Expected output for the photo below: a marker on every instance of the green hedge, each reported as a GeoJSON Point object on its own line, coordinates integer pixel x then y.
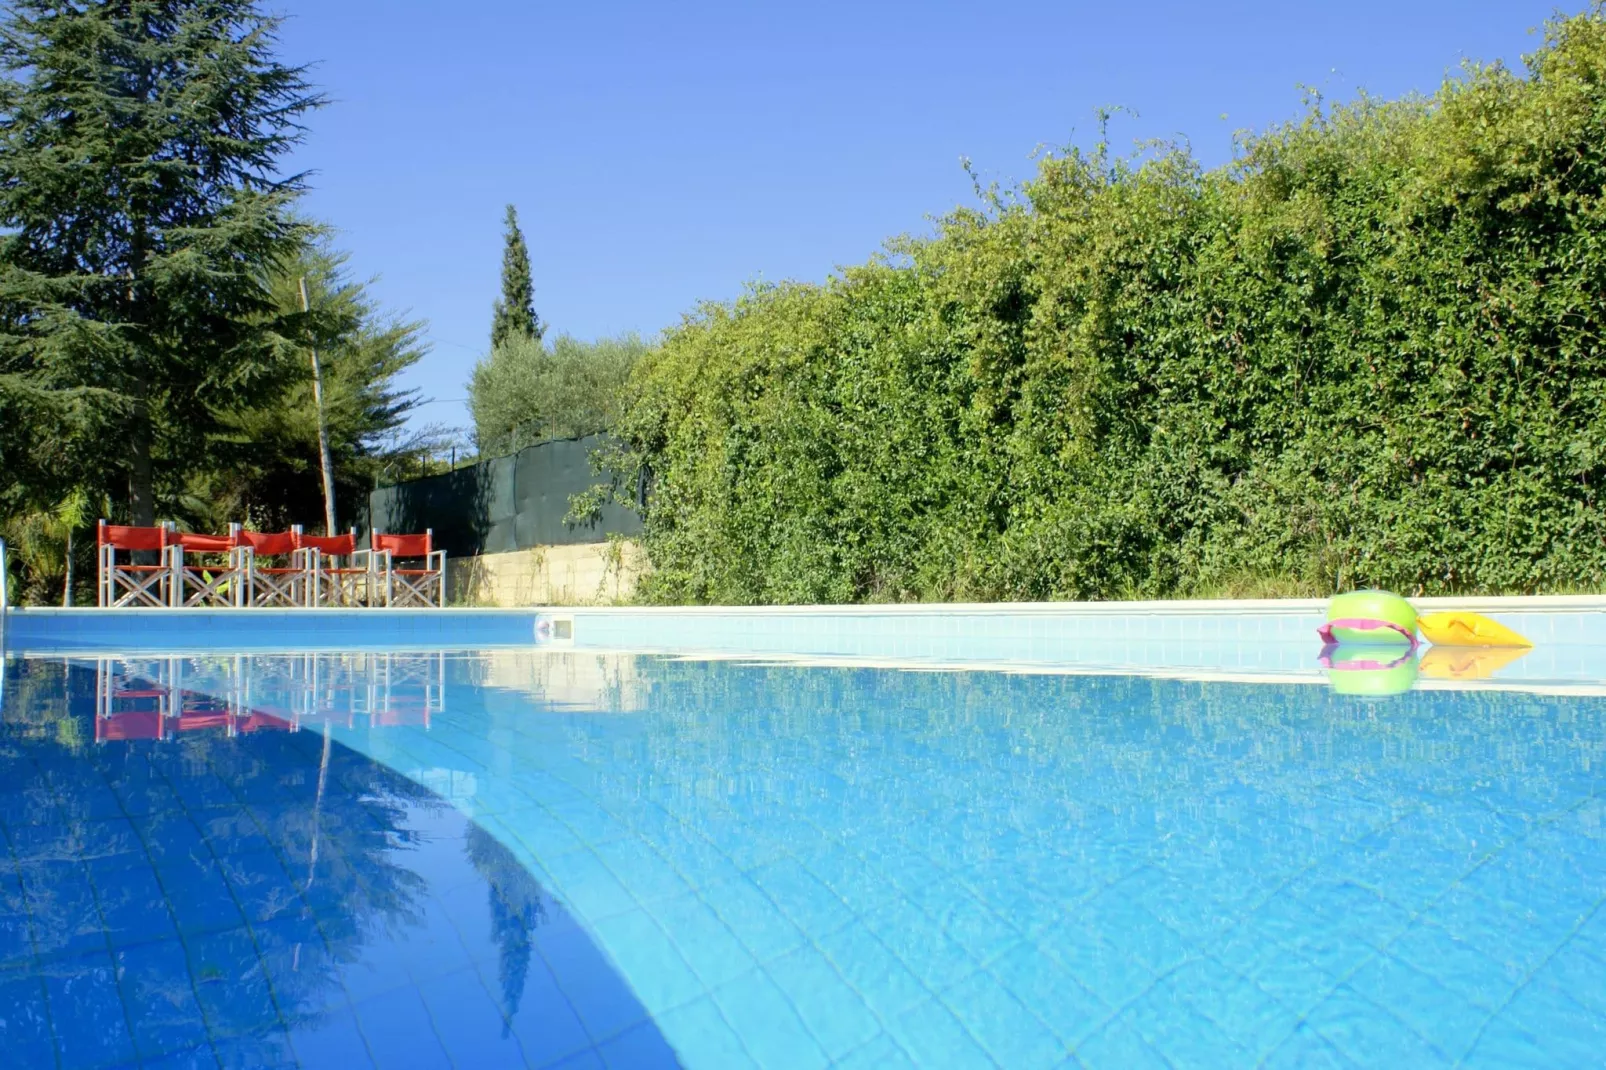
{"type": "Point", "coordinates": [1366, 352]}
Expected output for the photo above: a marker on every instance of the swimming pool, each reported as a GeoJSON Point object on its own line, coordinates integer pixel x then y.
{"type": "Point", "coordinates": [511, 857]}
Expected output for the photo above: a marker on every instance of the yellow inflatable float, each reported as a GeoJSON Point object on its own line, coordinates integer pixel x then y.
{"type": "Point", "coordinates": [1378, 618]}
{"type": "Point", "coordinates": [1370, 639]}
{"type": "Point", "coordinates": [1467, 629]}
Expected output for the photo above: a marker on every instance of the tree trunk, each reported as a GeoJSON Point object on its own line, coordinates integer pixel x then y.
{"type": "Point", "coordinates": [141, 496]}
{"type": "Point", "coordinates": [142, 500]}
{"type": "Point", "coordinates": [66, 587]}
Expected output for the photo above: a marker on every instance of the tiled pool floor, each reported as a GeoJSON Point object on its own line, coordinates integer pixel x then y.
{"type": "Point", "coordinates": [254, 901]}
{"type": "Point", "coordinates": [516, 858]}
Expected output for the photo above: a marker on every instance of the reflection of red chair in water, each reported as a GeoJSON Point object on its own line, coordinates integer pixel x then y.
{"type": "Point", "coordinates": [134, 707]}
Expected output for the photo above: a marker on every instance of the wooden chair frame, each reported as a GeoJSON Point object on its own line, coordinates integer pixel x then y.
{"type": "Point", "coordinates": [207, 584]}
{"type": "Point", "coordinates": [423, 588]}
{"type": "Point", "coordinates": [120, 585]}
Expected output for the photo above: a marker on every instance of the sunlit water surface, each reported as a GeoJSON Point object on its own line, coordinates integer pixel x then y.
{"type": "Point", "coordinates": [526, 858]}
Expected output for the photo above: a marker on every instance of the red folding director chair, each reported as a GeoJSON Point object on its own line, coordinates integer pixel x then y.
{"type": "Point", "coordinates": [267, 584]}
{"type": "Point", "coordinates": [206, 569]}
{"type": "Point", "coordinates": [415, 586]}
{"type": "Point", "coordinates": [336, 584]}
{"type": "Point", "coordinates": [124, 583]}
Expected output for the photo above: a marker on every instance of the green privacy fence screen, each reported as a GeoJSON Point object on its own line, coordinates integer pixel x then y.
{"type": "Point", "coordinates": [505, 503]}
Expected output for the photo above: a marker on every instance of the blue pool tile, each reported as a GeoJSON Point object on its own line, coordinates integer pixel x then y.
{"type": "Point", "coordinates": [932, 1036]}
{"type": "Point", "coordinates": [200, 1057]}
{"type": "Point", "coordinates": [1008, 1032]}
{"type": "Point", "coordinates": [547, 1026]}
{"type": "Point", "coordinates": [543, 834]}
{"type": "Point", "coordinates": [133, 906]}
{"type": "Point", "coordinates": [808, 903]}
{"type": "Point", "coordinates": [920, 945]}
{"type": "Point", "coordinates": [976, 928]}
{"type": "Point", "coordinates": [23, 806]}
{"type": "Point", "coordinates": [259, 884]}
{"type": "Point", "coordinates": [885, 984]}
{"type": "Point", "coordinates": [230, 983]}
{"type": "Point", "coordinates": [1442, 1017]}
{"type": "Point", "coordinates": [1573, 1034]}
{"type": "Point", "coordinates": [592, 990]}
{"type": "Point", "coordinates": [297, 964]}
{"type": "Point", "coordinates": [642, 1048]}
{"type": "Point", "coordinates": [1306, 1047]}
{"type": "Point", "coordinates": [1275, 869]}
{"type": "Point", "coordinates": [86, 1012]}
{"type": "Point", "coordinates": [155, 985]}
{"type": "Point", "coordinates": [469, 1023]}
{"type": "Point", "coordinates": [16, 926]}
{"type": "Point", "coordinates": [23, 1020]}
{"type": "Point", "coordinates": [61, 902]}
{"type": "Point", "coordinates": [588, 886]}
{"type": "Point", "coordinates": [231, 831]}
{"type": "Point", "coordinates": [774, 1034]}
{"type": "Point", "coordinates": [1173, 1026]}
{"type": "Point", "coordinates": [435, 948]}
{"type": "Point", "coordinates": [1367, 1032]}
{"type": "Point", "coordinates": [381, 969]}
{"type": "Point", "coordinates": [707, 944]}
{"type": "Point", "coordinates": [399, 1030]}
{"type": "Point", "coordinates": [860, 885]}
{"type": "Point", "coordinates": [1456, 965]}
{"type": "Point", "coordinates": [585, 1060]}
{"type": "Point", "coordinates": [170, 835]}
{"type": "Point", "coordinates": [267, 1048]}
{"type": "Point", "coordinates": [1119, 1046]}
{"type": "Point", "coordinates": [834, 1013]}
{"type": "Point", "coordinates": [641, 949]}
{"type": "Point", "coordinates": [199, 896]}
{"type": "Point", "coordinates": [1050, 994]}
{"type": "Point", "coordinates": [642, 870]}
{"type": "Point", "coordinates": [700, 1035]}
{"type": "Point", "coordinates": [881, 1053]}
{"type": "Point", "coordinates": [754, 919]}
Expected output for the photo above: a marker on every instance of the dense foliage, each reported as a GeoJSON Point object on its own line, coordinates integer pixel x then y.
{"type": "Point", "coordinates": [1368, 351]}
{"type": "Point", "coordinates": [154, 356]}
{"type": "Point", "coordinates": [525, 392]}
{"type": "Point", "coordinates": [141, 203]}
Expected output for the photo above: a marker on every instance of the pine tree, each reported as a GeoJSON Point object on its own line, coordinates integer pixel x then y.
{"type": "Point", "coordinates": [514, 314]}
{"type": "Point", "coordinates": [141, 212]}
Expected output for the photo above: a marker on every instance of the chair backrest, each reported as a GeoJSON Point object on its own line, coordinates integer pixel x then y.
{"type": "Point", "coordinates": [123, 537]}
{"type": "Point", "coordinates": [268, 543]}
{"type": "Point", "coordinates": [196, 543]}
{"type": "Point", "coordinates": [404, 545]}
{"type": "Point", "coordinates": [338, 545]}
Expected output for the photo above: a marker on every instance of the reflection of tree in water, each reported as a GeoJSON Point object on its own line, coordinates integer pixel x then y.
{"type": "Point", "coordinates": [150, 836]}
{"type": "Point", "coordinates": [516, 910]}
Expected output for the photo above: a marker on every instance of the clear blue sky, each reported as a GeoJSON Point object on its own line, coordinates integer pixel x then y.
{"type": "Point", "coordinates": [663, 153]}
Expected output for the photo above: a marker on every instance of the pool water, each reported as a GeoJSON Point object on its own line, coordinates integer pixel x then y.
{"type": "Point", "coordinates": [528, 858]}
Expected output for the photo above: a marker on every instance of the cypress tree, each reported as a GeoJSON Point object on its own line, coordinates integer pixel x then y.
{"type": "Point", "coordinates": [514, 314]}
{"type": "Point", "coordinates": [141, 211]}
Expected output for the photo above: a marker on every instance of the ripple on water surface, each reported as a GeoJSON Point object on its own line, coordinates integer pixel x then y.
{"type": "Point", "coordinates": [541, 858]}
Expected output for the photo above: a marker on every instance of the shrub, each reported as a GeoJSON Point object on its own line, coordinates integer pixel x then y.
{"type": "Point", "coordinates": [1368, 351]}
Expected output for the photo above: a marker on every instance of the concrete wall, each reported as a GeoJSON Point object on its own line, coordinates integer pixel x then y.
{"type": "Point", "coordinates": [584, 574]}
